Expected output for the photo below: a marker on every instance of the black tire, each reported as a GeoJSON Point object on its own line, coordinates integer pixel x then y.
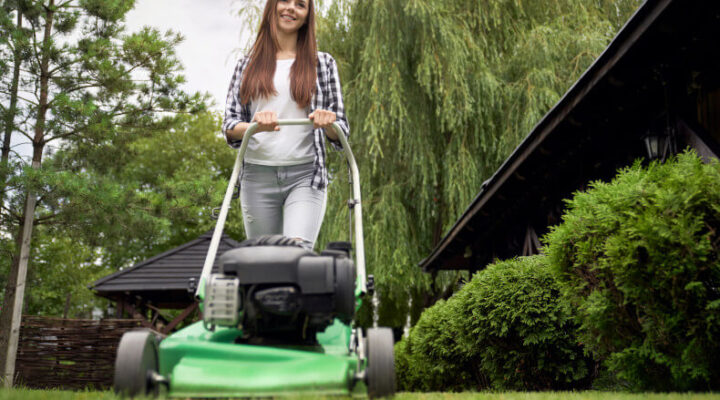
{"type": "Point", "coordinates": [345, 289]}
{"type": "Point", "coordinates": [137, 359]}
{"type": "Point", "coordinates": [380, 362]}
{"type": "Point", "coordinates": [270, 240]}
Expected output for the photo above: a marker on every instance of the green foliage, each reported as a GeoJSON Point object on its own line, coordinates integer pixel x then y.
{"type": "Point", "coordinates": [639, 260]}
{"type": "Point", "coordinates": [524, 334]}
{"type": "Point", "coordinates": [505, 329]}
{"type": "Point", "coordinates": [438, 93]}
{"type": "Point", "coordinates": [92, 98]}
{"type": "Point", "coordinates": [107, 207]}
{"type": "Point", "coordinates": [156, 194]}
{"type": "Point", "coordinates": [435, 356]}
{"type": "Point", "coordinates": [61, 270]}
{"type": "Point", "coordinates": [108, 10]}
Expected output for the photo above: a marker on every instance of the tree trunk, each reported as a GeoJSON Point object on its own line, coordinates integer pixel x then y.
{"type": "Point", "coordinates": [13, 302]}
{"type": "Point", "coordinates": [66, 309]}
{"type": "Point", "coordinates": [440, 210]}
{"type": "Point", "coordinates": [10, 324]}
{"type": "Point", "coordinates": [12, 107]}
{"type": "Point", "coordinates": [433, 295]}
{"type": "Point", "coordinates": [6, 315]}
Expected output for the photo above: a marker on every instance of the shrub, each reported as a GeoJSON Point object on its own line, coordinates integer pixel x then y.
{"type": "Point", "coordinates": [505, 329]}
{"type": "Point", "coordinates": [638, 258]}
{"type": "Point", "coordinates": [522, 335]}
{"type": "Point", "coordinates": [432, 358]}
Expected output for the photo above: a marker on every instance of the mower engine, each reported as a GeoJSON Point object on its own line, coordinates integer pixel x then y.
{"type": "Point", "coordinates": [281, 292]}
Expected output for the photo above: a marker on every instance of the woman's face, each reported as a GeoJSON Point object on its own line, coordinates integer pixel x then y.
{"type": "Point", "coordinates": [291, 15]}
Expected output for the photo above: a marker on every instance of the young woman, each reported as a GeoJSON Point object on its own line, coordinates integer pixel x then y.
{"type": "Point", "coordinates": [284, 179]}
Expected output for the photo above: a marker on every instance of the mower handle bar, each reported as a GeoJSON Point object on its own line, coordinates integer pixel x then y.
{"type": "Point", "coordinates": [217, 234]}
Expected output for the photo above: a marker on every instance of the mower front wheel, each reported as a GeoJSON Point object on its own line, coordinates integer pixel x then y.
{"type": "Point", "coordinates": [380, 362]}
{"type": "Point", "coordinates": [137, 360]}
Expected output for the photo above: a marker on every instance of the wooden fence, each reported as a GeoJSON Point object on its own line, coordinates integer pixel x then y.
{"type": "Point", "coordinates": [69, 353]}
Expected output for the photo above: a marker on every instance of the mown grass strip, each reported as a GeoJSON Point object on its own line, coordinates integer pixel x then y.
{"type": "Point", "coordinates": [28, 394]}
{"type": "Point", "coordinates": [585, 395]}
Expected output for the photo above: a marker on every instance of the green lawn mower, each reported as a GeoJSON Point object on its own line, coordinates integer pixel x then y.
{"type": "Point", "coordinates": [277, 320]}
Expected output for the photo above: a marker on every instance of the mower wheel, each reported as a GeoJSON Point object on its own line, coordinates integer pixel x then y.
{"type": "Point", "coordinates": [345, 290]}
{"type": "Point", "coordinates": [380, 362]}
{"type": "Point", "coordinates": [137, 360]}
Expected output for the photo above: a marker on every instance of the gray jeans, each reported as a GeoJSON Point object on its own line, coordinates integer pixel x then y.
{"type": "Point", "coordinates": [281, 200]}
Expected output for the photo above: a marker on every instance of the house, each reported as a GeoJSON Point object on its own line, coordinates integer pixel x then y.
{"type": "Point", "coordinates": [653, 92]}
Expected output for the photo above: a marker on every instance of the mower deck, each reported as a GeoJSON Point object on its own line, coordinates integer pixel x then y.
{"type": "Point", "coordinates": [201, 363]}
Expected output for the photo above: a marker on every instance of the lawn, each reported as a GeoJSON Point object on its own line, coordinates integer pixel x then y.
{"type": "Point", "coordinates": [26, 394]}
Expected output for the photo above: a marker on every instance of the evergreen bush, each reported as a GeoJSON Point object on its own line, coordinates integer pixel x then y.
{"type": "Point", "coordinates": [432, 358]}
{"type": "Point", "coordinates": [638, 258]}
{"type": "Point", "coordinates": [522, 335]}
{"type": "Point", "coordinates": [505, 329]}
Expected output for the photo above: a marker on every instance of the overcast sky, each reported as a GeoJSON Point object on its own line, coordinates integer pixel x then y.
{"type": "Point", "coordinates": [212, 39]}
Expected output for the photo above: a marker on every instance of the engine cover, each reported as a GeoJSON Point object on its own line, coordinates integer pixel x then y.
{"type": "Point", "coordinates": [289, 292]}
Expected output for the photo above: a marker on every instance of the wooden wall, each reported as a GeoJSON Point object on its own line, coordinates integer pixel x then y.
{"type": "Point", "coordinates": [69, 353]}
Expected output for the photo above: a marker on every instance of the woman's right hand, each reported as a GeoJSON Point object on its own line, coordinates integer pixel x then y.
{"type": "Point", "coordinates": [267, 121]}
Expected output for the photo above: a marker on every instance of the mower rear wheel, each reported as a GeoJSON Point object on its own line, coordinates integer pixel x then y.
{"type": "Point", "coordinates": [380, 362]}
{"type": "Point", "coordinates": [137, 360]}
{"type": "Point", "coordinates": [345, 290]}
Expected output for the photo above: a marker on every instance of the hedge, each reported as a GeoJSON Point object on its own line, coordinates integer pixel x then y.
{"type": "Point", "coordinates": [432, 358]}
{"type": "Point", "coordinates": [638, 260]}
{"type": "Point", "coordinates": [505, 329]}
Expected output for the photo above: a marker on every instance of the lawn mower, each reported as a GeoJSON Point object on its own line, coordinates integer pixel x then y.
{"type": "Point", "coordinates": [277, 319]}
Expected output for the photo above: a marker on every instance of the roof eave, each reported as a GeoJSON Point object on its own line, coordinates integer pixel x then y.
{"type": "Point", "coordinates": [633, 29]}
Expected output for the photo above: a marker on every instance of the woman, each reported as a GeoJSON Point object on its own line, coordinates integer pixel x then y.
{"type": "Point", "coordinates": [284, 179]}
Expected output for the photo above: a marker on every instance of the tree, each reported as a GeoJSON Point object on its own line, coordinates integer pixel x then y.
{"type": "Point", "coordinates": [112, 212]}
{"type": "Point", "coordinates": [439, 92]}
{"type": "Point", "coordinates": [168, 181]}
{"type": "Point", "coordinates": [14, 46]}
{"type": "Point", "coordinates": [83, 82]}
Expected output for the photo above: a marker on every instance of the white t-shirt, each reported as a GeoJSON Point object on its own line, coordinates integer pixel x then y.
{"type": "Point", "coordinates": [291, 145]}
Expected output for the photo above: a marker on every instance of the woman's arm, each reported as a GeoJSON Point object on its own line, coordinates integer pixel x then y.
{"type": "Point", "coordinates": [333, 101]}
{"type": "Point", "coordinates": [237, 132]}
{"type": "Point", "coordinates": [237, 115]}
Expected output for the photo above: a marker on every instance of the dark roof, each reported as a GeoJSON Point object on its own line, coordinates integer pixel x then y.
{"type": "Point", "coordinates": [664, 52]}
{"type": "Point", "coordinates": [163, 278]}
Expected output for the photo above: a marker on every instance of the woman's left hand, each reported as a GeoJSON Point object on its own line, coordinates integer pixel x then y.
{"type": "Point", "coordinates": [324, 119]}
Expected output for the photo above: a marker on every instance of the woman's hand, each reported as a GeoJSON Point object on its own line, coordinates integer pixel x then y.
{"type": "Point", "coordinates": [267, 121]}
{"type": "Point", "coordinates": [324, 119]}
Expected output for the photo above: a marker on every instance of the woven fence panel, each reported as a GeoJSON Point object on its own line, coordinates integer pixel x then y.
{"type": "Point", "coordinates": [69, 353]}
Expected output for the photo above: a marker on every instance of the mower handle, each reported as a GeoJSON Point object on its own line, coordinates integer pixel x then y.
{"type": "Point", "coordinates": [359, 243]}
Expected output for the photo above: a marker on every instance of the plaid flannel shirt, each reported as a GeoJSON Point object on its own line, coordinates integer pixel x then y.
{"type": "Point", "coordinates": [328, 96]}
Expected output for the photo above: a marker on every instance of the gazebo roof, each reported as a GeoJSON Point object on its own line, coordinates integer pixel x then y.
{"type": "Point", "coordinates": [163, 279]}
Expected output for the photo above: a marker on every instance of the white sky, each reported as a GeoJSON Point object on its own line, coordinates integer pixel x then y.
{"type": "Point", "coordinates": [212, 34]}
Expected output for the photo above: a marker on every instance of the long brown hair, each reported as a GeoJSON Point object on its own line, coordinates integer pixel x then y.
{"type": "Point", "coordinates": [258, 76]}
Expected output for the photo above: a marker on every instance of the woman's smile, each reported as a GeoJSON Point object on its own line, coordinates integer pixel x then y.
{"type": "Point", "coordinates": [291, 14]}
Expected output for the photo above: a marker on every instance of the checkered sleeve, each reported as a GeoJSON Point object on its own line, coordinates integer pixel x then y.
{"type": "Point", "coordinates": [235, 112]}
{"type": "Point", "coordinates": [334, 100]}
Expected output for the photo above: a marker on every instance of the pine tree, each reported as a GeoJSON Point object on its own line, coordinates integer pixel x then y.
{"type": "Point", "coordinates": [155, 193]}
{"type": "Point", "coordinates": [13, 48]}
{"type": "Point", "coordinates": [85, 80]}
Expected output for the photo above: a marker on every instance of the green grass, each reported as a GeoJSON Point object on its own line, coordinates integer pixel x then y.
{"type": "Point", "coordinates": [27, 394]}
{"type": "Point", "coordinates": [587, 395]}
